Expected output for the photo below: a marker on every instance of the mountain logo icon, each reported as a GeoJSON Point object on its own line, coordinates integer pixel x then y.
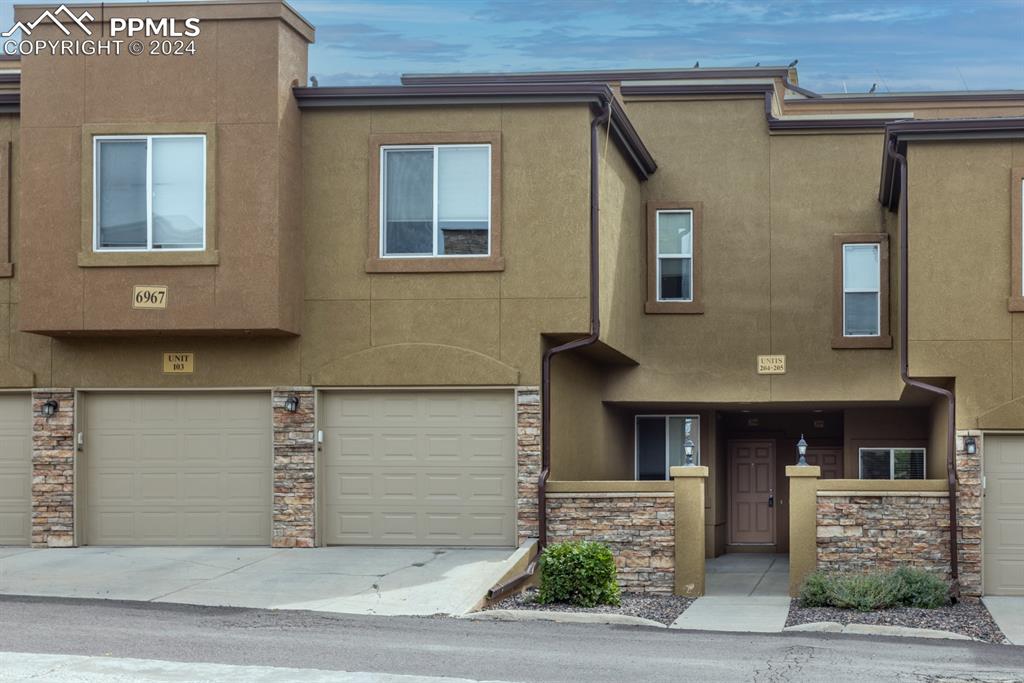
{"type": "Point", "coordinates": [69, 16]}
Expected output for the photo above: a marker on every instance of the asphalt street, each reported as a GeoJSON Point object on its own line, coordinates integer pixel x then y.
{"type": "Point", "coordinates": [479, 651]}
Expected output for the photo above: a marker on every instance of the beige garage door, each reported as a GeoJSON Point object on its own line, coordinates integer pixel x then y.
{"type": "Point", "coordinates": [177, 468]}
{"type": "Point", "coordinates": [15, 469]}
{"type": "Point", "coordinates": [419, 467]}
{"type": "Point", "coordinates": [1004, 515]}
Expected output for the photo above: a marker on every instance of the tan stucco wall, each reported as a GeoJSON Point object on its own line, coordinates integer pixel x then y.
{"type": "Point", "coordinates": [239, 91]}
{"type": "Point", "coordinates": [391, 329]}
{"type": "Point", "coordinates": [960, 326]}
{"type": "Point", "coordinates": [623, 241]}
{"type": "Point", "coordinates": [771, 207]}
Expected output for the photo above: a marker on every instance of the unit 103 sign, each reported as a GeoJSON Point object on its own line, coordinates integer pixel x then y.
{"type": "Point", "coordinates": [149, 296]}
{"type": "Point", "coordinates": [771, 365]}
{"type": "Point", "coordinates": [179, 363]}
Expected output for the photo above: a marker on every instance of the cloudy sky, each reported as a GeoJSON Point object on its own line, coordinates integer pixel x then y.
{"type": "Point", "coordinates": [899, 44]}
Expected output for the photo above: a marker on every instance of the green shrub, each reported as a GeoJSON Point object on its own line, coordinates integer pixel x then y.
{"type": "Point", "coordinates": [578, 572]}
{"type": "Point", "coordinates": [904, 587]}
{"type": "Point", "coordinates": [918, 588]}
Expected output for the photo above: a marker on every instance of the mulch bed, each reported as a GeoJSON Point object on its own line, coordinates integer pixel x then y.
{"type": "Point", "coordinates": [968, 617]}
{"type": "Point", "coordinates": [657, 607]}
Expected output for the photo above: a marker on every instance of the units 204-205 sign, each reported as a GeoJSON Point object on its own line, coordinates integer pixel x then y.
{"type": "Point", "coordinates": [771, 365]}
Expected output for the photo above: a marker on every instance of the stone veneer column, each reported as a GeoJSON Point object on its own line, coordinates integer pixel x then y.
{"type": "Point", "coordinates": [528, 418]}
{"type": "Point", "coordinates": [294, 469]}
{"type": "Point", "coordinates": [53, 470]}
{"type": "Point", "coordinates": [689, 484]}
{"type": "Point", "coordinates": [803, 523]}
{"type": "Point", "coordinates": [970, 508]}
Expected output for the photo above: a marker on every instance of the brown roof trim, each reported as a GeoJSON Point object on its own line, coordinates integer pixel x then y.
{"type": "Point", "coordinates": [894, 98]}
{"type": "Point", "coordinates": [598, 94]}
{"type": "Point", "coordinates": [592, 76]}
{"type": "Point", "coordinates": [899, 133]}
{"type": "Point", "coordinates": [710, 89]}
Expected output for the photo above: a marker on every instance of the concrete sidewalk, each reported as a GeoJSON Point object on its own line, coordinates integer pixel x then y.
{"type": "Point", "coordinates": [352, 580]}
{"type": "Point", "coordinates": [1008, 613]}
{"type": "Point", "coordinates": [743, 592]}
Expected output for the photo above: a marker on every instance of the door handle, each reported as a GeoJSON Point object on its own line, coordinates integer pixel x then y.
{"type": "Point", "coordinates": [771, 501]}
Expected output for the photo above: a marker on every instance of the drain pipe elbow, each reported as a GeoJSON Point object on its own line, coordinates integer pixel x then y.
{"type": "Point", "coordinates": [900, 160]}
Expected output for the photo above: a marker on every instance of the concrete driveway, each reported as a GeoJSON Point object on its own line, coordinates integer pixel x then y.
{"type": "Point", "coordinates": [353, 580]}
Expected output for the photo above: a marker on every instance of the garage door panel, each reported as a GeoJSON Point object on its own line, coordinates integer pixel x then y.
{"type": "Point", "coordinates": [419, 467]}
{"type": "Point", "coordinates": [178, 469]}
{"type": "Point", "coordinates": [1003, 560]}
{"type": "Point", "coordinates": [15, 469]}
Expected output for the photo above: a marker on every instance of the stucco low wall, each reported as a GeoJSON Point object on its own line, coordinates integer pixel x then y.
{"type": "Point", "coordinates": [638, 526]}
{"type": "Point", "coordinates": [883, 530]}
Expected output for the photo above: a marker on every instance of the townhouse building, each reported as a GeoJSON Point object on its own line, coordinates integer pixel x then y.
{"type": "Point", "coordinates": [476, 309]}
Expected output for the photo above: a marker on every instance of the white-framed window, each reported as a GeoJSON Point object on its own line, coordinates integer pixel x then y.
{"type": "Point", "coordinates": [891, 463]}
{"type": "Point", "coordinates": [675, 255]}
{"type": "Point", "coordinates": [862, 290]}
{"type": "Point", "coordinates": [661, 443]}
{"type": "Point", "coordinates": [435, 200]}
{"type": "Point", "coordinates": [149, 192]}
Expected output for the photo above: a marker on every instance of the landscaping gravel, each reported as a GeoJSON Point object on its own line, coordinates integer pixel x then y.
{"type": "Point", "coordinates": [656, 607]}
{"type": "Point", "coordinates": [968, 617]}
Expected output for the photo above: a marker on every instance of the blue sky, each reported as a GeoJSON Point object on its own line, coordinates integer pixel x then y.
{"type": "Point", "coordinates": [899, 44]}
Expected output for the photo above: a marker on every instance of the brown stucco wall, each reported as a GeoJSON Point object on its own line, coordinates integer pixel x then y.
{"type": "Point", "coordinates": [239, 92]}
{"type": "Point", "coordinates": [889, 427]}
{"type": "Point", "coordinates": [771, 205]}
{"type": "Point", "coordinates": [361, 328]}
{"type": "Point", "coordinates": [960, 325]}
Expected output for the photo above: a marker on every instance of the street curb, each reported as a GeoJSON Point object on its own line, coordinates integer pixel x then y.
{"type": "Point", "coordinates": [560, 617]}
{"type": "Point", "coordinates": [875, 630]}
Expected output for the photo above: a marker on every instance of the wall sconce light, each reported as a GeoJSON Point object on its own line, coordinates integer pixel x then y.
{"type": "Point", "coordinates": [688, 449]}
{"type": "Point", "coordinates": [801, 448]}
{"type": "Point", "coordinates": [49, 408]}
{"type": "Point", "coordinates": [970, 445]}
{"type": "Point", "coordinates": [291, 404]}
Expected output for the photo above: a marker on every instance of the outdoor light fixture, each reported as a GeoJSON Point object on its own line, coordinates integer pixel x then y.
{"type": "Point", "coordinates": [801, 448]}
{"type": "Point", "coordinates": [688, 449]}
{"type": "Point", "coordinates": [970, 445]}
{"type": "Point", "coordinates": [49, 408]}
{"type": "Point", "coordinates": [291, 404]}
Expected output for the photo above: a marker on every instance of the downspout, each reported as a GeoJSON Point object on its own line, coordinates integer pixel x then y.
{"type": "Point", "coordinates": [604, 118]}
{"type": "Point", "coordinates": [954, 559]}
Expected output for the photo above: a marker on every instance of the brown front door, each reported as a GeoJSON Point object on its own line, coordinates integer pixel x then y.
{"type": "Point", "coordinates": [830, 460]}
{"type": "Point", "coordinates": [752, 492]}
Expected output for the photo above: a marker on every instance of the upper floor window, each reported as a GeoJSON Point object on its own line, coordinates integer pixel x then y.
{"type": "Point", "coordinates": [861, 288]}
{"type": "Point", "coordinates": [892, 463]}
{"type": "Point", "coordinates": [861, 317]}
{"type": "Point", "coordinates": [673, 258]}
{"type": "Point", "coordinates": [149, 193]}
{"type": "Point", "coordinates": [438, 201]}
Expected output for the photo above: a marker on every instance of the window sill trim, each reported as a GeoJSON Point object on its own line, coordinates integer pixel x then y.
{"type": "Point", "coordinates": [435, 265]}
{"type": "Point", "coordinates": [125, 259]}
{"type": "Point", "coordinates": [6, 270]}
{"type": "Point", "coordinates": [881, 342]}
{"type": "Point", "coordinates": [674, 307]}
{"type": "Point", "coordinates": [1015, 304]}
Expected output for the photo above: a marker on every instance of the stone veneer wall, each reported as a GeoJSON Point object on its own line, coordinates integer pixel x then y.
{"type": "Point", "coordinates": [861, 532]}
{"type": "Point", "coordinates": [53, 470]}
{"type": "Point", "coordinates": [970, 509]}
{"type": "Point", "coordinates": [638, 527]}
{"type": "Point", "coordinates": [528, 418]}
{"type": "Point", "coordinates": [294, 469]}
